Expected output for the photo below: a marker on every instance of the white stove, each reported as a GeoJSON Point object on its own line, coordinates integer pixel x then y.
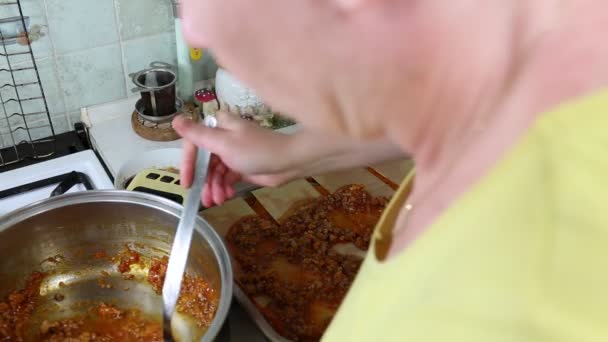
{"type": "Point", "coordinates": [76, 172]}
{"type": "Point", "coordinates": [112, 135]}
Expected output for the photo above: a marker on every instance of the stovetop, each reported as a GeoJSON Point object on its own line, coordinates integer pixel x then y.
{"type": "Point", "coordinates": [69, 171]}
{"type": "Point", "coordinates": [76, 168]}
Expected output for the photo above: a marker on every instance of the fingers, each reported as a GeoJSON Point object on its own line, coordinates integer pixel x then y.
{"type": "Point", "coordinates": [187, 164]}
{"type": "Point", "coordinates": [212, 139]}
{"type": "Point", "coordinates": [230, 121]}
{"type": "Point", "coordinates": [217, 184]}
{"type": "Point", "coordinates": [220, 184]}
{"type": "Point", "coordinates": [230, 179]}
{"type": "Point", "coordinates": [224, 140]}
{"type": "Point", "coordinates": [229, 191]}
{"type": "Point", "coordinates": [206, 196]}
{"type": "Point", "coordinates": [271, 180]}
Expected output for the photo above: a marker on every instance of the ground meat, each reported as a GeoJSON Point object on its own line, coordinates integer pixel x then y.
{"type": "Point", "coordinates": [197, 298]}
{"type": "Point", "coordinates": [156, 275]}
{"type": "Point", "coordinates": [128, 276]}
{"type": "Point", "coordinates": [304, 238]}
{"type": "Point", "coordinates": [109, 311]}
{"type": "Point", "coordinates": [103, 283]}
{"type": "Point", "coordinates": [104, 323]}
{"type": "Point", "coordinates": [100, 255]}
{"type": "Point", "coordinates": [17, 307]}
{"type": "Point", "coordinates": [127, 258]}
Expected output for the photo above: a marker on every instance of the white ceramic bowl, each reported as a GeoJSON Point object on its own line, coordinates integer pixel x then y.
{"type": "Point", "coordinates": [233, 92]}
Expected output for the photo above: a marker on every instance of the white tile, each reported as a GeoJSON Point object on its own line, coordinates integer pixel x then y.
{"type": "Point", "coordinates": [139, 53]}
{"type": "Point", "coordinates": [21, 135]}
{"type": "Point", "coordinates": [29, 88]}
{"type": "Point", "coordinates": [4, 129]}
{"type": "Point", "coordinates": [50, 86]}
{"type": "Point", "coordinates": [42, 131]}
{"type": "Point", "coordinates": [31, 8]}
{"type": "Point", "coordinates": [60, 124]}
{"type": "Point", "coordinates": [73, 117]}
{"type": "Point", "coordinates": [108, 111]}
{"type": "Point", "coordinates": [41, 44]}
{"type": "Point", "coordinates": [7, 139]}
{"type": "Point", "coordinates": [91, 77]}
{"type": "Point", "coordinates": [76, 25]}
{"type": "Point", "coordinates": [3, 123]}
{"type": "Point", "coordinates": [138, 18]}
{"type": "Point", "coordinates": [33, 130]}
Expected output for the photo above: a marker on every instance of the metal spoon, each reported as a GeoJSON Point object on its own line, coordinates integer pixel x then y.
{"type": "Point", "coordinates": [183, 237]}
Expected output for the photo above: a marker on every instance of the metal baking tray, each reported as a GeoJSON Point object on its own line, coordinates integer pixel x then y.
{"type": "Point", "coordinates": [257, 316]}
{"type": "Point", "coordinates": [242, 298]}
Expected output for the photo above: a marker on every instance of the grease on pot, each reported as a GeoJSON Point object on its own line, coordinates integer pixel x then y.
{"type": "Point", "coordinates": [102, 321]}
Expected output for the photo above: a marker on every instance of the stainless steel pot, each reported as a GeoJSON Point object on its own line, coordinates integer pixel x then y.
{"type": "Point", "coordinates": [78, 225]}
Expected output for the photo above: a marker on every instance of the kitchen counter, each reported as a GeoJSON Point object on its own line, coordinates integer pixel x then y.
{"type": "Point", "coordinates": [114, 139]}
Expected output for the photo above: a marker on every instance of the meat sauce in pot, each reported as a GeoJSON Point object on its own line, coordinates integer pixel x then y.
{"type": "Point", "coordinates": [103, 321]}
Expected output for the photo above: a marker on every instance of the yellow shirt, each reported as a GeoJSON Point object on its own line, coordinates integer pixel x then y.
{"type": "Point", "coordinates": [522, 256]}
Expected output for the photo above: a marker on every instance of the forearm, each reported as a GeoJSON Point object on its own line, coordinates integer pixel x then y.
{"type": "Point", "coordinates": [315, 153]}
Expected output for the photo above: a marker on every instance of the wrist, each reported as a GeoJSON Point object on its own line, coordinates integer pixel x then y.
{"type": "Point", "coordinates": [290, 149]}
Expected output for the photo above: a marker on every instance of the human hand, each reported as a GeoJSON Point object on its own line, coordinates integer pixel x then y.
{"type": "Point", "coordinates": [241, 151]}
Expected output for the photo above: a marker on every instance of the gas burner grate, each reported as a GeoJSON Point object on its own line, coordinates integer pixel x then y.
{"type": "Point", "coordinates": [66, 182]}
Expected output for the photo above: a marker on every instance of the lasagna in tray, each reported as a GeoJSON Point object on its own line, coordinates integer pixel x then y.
{"type": "Point", "coordinates": [297, 271]}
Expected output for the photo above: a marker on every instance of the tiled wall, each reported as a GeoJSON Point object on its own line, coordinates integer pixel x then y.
{"type": "Point", "coordinates": [89, 48]}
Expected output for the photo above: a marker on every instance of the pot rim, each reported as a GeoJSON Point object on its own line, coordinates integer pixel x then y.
{"type": "Point", "coordinates": [164, 205]}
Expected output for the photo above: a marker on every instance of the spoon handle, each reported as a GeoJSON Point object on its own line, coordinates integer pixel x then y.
{"type": "Point", "coordinates": [183, 236]}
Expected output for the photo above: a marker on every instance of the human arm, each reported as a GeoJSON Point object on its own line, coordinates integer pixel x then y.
{"type": "Point", "coordinates": [244, 151]}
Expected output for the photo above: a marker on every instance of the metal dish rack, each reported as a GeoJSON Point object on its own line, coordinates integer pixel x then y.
{"type": "Point", "coordinates": [27, 129]}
